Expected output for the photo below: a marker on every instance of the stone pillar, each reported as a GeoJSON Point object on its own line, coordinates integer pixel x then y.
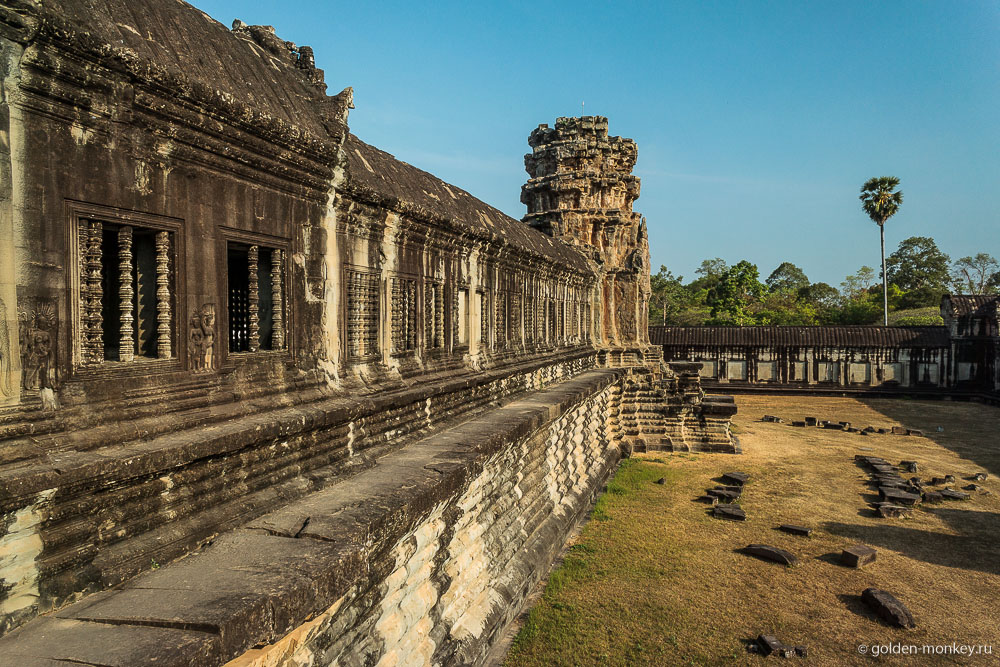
{"type": "Point", "coordinates": [254, 299]}
{"type": "Point", "coordinates": [94, 315]}
{"type": "Point", "coordinates": [278, 301]}
{"type": "Point", "coordinates": [126, 343]}
{"type": "Point", "coordinates": [163, 346]}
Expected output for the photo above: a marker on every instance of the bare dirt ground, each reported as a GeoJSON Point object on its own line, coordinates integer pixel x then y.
{"type": "Point", "coordinates": [653, 579]}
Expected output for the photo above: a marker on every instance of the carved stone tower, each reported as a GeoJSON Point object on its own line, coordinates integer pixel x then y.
{"type": "Point", "coordinates": [581, 189]}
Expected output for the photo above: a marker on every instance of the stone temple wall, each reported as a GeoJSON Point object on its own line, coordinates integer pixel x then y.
{"type": "Point", "coordinates": [216, 302]}
{"type": "Point", "coordinates": [958, 359]}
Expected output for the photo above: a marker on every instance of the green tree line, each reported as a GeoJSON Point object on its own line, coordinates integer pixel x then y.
{"type": "Point", "coordinates": [918, 274]}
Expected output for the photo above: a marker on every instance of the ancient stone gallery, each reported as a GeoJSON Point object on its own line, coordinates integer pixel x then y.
{"type": "Point", "coordinates": [365, 407]}
{"type": "Point", "coordinates": [959, 359]}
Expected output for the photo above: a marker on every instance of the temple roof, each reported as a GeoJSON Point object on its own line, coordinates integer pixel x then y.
{"type": "Point", "coordinates": [791, 336]}
{"type": "Point", "coordinates": [402, 185]}
{"type": "Point", "coordinates": [172, 42]}
{"type": "Point", "coordinates": [972, 304]}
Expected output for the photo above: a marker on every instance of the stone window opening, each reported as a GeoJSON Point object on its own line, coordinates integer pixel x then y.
{"type": "Point", "coordinates": [404, 315]}
{"type": "Point", "coordinates": [462, 318]}
{"type": "Point", "coordinates": [484, 320]}
{"type": "Point", "coordinates": [255, 298]}
{"type": "Point", "coordinates": [500, 320]}
{"type": "Point", "coordinates": [363, 289]}
{"type": "Point", "coordinates": [126, 301]}
{"type": "Point", "coordinates": [434, 314]}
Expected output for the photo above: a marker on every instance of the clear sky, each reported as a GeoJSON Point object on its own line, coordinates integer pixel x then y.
{"type": "Point", "coordinates": [757, 122]}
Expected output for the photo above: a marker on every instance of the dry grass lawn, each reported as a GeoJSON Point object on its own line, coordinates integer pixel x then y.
{"type": "Point", "coordinates": [653, 580]}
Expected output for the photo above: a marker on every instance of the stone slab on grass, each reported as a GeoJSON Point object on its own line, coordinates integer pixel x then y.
{"type": "Point", "coordinates": [769, 553]}
{"type": "Point", "coordinates": [888, 608]}
{"type": "Point", "coordinates": [729, 512]}
{"type": "Point", "coordinates": [858, 556]}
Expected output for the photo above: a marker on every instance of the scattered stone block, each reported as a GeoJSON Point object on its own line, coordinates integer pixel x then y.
{"type": "Point", "coordinates": [897, 497]}
{"type": "Point", "coordinates": [937, 481]}
{"type": "Point", "coordinates": [833, 425]}
{"type": "Point", "coordinates": [773, 554]}
{"type": "Point", "coordinates": [898, 430]}
{"type": "Point", "coordinates": [914, 431]}
{"type": "Point", "coordinates": [952, 494]}
{"type": "Point", "coordinates": [802, 651]}
{"type": "Point", "coordinates": [795, 530]}
{"type": "Point", "coordinates": [980, 477]}
{"type": "Point", "coordinates": [810, 421]}
{"type": "Point", "coordinates": [858, 556]}
{"type": "Point", "coordinates": [889, 609]}
{"type": "Point", "coordinates": [883, 431]}
{"type": "Point", "coordinates": [890, 511]}
{"type": "Point", "coordinates": [845, 424]}
{"type": "Point", "coordinates": [909, 466]}
{"type": "Point", "coordinates": [735, 478]}
{"type": "Point", "coordinates": [865, 433]}
{"type": "Point", "coordinates": [724, 494]}
{"type": "Point", "coordinates": [771, 418]}
{"type": "Point", "coordinates": [769, 645]}
{"type": "Point", "coordinates": [729, 512]}
{"type": "Point", "coordinates": [662, 480]}
{"type": "Point", "coordinates": [868, 429]}
{"type": "Point", "coordinates": [933, 497]}
{"type": "Point", "coordinates": [973, 487]}
{"type": "Point", "coordinates": [949, 479]}
{"type": "Point", "coordinates": [708, 500]}
{"type": "Point", "coordinates": [797, 423]}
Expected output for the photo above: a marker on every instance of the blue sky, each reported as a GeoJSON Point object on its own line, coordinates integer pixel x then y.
{"type": "Point", "coordinates": [757, 122]}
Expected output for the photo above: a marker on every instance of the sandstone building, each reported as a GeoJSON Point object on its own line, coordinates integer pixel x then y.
{"type": "Point", "coordinates": [959, 359]}
{"type": "Point", "coordinates": [365, 405]}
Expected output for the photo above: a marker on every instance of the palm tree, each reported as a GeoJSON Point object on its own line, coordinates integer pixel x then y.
{"type": "Point", "coordinates": [881, 203]}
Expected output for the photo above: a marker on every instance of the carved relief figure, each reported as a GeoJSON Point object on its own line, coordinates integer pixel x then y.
{"type": "Point", "coordinates": [37, 332]}
{"type": "Point", "coordinates": [201, 339]}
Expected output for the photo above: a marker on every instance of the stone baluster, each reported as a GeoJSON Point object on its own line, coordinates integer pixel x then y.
{"type": "Point", "coordinates": [254, 307]}
{"type": "Point", "coordinates": [126, 344]}
{"type": "Point", "coordinates": [278, 301]}
{"type": "Point", "coordinates": [86, 338]}
{"type": "Point", "coordinates": [95, 293]}
{"type": "Point", "coordinates": [163, 350]}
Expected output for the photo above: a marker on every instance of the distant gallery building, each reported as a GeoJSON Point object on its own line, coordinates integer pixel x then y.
{"type": "Point", "coordinates": [959, 359]}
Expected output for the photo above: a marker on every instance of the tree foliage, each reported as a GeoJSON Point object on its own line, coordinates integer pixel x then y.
{"type": "Point", "coordinates": [787, 277]}
{"type": "Point", "coordinates": [976, 275]}
{"type": "Point", "coordinates": [734, 295]}
{"type": "Point", "coordinates": [879, 198]}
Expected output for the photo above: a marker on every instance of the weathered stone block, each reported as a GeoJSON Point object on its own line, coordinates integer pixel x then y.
{"type": "Point", "coordinates": [858, 556]}
{"type": "Point", "coordinates": [795, 530]}
{"type": "Point", "coordinates": [898, 497]}
{"type": "Point", "coordinates": [888, 608]}
{"type": "Point", "coordinates": [735, 478]}
{"type": "Point", "coordinates": [769, 553]}
{"type": "Point", "coordinates": [729, 512]}
{"type": "Point", "coordinates": [891, 511]}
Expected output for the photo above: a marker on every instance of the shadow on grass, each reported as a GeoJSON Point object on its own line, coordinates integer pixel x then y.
{"type": "Point", "coordinates": [976, 548]}
{"type": "Point", "coordinates": [971, 439]}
